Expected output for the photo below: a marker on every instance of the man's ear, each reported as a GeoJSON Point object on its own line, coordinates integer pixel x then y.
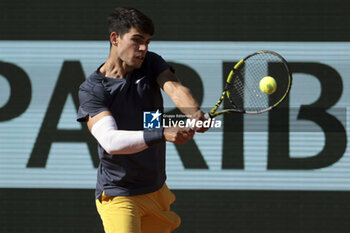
{"type": "Point", "coordinates": [114, 38]}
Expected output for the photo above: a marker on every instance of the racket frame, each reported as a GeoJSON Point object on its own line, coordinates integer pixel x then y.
{"type": "Point", "coordinates": [213, 112]}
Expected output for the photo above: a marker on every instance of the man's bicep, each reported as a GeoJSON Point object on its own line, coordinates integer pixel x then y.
{"type": "Point", "coordinates": [91, 121]}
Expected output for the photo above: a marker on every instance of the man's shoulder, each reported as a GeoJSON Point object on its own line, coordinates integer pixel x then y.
{"type": "Point", "coordinates": [154, 62]}
{"type": "Point", "coordinates": [151, 53]}
{"type": "Point", "coordinates": [92, 87]}
{"type": "Point", "coordinates": [152, 56]}
{"type": "Point", "coordinates": [92, 81]}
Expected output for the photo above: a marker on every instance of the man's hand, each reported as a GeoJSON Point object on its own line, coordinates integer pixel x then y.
{"type": "Point", "coordinates": [178, 135]}
{"type": "Point", "coordinates": [199, 116]}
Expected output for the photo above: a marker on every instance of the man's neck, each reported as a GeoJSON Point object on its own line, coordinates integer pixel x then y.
{"type": "Point", "coordinates": [114, 68]}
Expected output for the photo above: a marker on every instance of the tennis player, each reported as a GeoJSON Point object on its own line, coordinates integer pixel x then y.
{"type": "Point", "coordinates": [131, 193]}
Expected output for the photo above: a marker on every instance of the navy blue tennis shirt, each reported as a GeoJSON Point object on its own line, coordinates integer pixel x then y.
{"type": "Point", "coordinates": [127, 99]}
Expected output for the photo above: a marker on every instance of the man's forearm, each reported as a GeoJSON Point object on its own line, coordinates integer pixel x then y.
{"type": "Point", "coordinates": [184, 101]}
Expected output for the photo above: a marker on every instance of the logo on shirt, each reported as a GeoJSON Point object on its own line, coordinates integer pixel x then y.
{"type": "Point", "coordinates": [139, 80]}
{"type": "Point", "coordinates": [151, 120]}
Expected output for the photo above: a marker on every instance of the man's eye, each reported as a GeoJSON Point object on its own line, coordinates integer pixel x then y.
{"type": "Point", "coordinates": [138, 41]}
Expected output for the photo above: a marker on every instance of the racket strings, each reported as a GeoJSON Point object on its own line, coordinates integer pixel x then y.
{"type": "Point", "coordinates": [244, 91]}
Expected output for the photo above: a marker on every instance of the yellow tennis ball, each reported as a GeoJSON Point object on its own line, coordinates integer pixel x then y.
{"type": "Point", "coordinates": [268, 85]}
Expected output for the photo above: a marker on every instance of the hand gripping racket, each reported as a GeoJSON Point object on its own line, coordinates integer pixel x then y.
{"type": "Point", "coordinates": [248, 86]}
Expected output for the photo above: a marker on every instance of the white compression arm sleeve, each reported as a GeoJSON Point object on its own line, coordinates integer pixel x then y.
{"type": "Point", "coordinates": [115, 141]}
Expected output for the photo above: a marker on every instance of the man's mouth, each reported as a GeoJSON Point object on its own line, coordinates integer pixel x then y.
{"type": "Point", "coordinates": [141, 58]}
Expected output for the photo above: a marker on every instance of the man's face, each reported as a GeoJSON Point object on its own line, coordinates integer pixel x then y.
{"type": "Point", "coordinates": [132, 48]}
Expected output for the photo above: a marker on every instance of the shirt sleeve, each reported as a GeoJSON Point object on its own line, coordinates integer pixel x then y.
{"type": "Point", "coordinates": [92, 101]}
{"type": "Point", "coordinates": [158, 64]}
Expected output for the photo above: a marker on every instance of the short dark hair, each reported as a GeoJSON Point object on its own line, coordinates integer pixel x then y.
{"type": "Point", "coordinates": [124, 18]}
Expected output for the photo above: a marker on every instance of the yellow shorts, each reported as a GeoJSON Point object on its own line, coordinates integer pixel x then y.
{"type": "Point", "coordinates": [147, 213]}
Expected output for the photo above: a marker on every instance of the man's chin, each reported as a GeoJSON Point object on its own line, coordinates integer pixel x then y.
{"type": "Point", "coordinates": [134, 65]}
{"type": "Point", "coordinates": [137, 65]}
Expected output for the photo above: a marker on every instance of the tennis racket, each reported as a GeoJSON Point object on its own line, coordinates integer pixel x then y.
{"type": "Point", "coordinates": [242, 87]}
